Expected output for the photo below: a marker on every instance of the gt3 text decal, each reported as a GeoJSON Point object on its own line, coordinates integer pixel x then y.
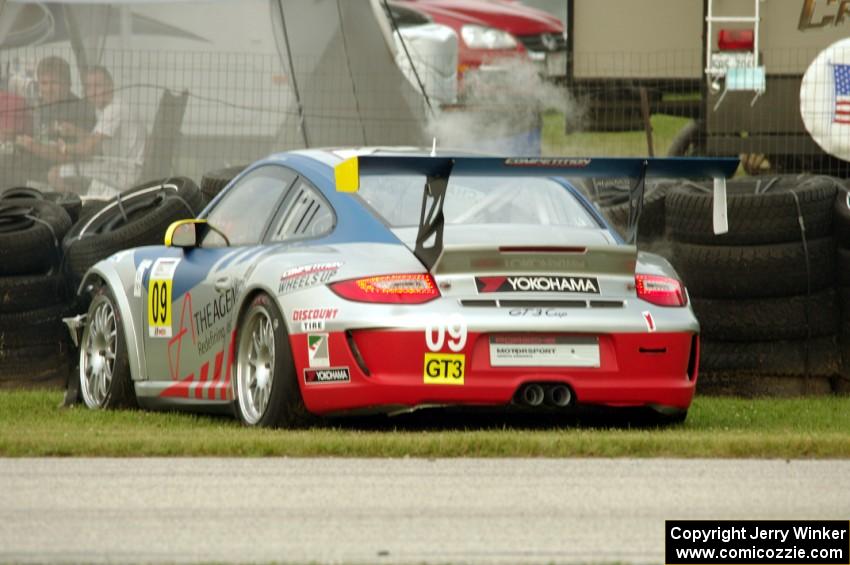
{"type": "Point", "coordinates": [330, 375]}
{"type": "Point", "coordinates": [317, 350]}
{"type": "Point", "coordinates": [438, 329]}
{"type": "Point", "coordinates": [307, 276]}
{"type": "Point", "coordinates": [537, 283]}
{"type": "Point", "coordinates": [444, 368]}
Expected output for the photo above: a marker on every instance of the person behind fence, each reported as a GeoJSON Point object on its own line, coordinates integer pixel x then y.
{"type": "Point", "coordinates": [108, 159]}
{"type": "Point", "coordinates": [56, 105]}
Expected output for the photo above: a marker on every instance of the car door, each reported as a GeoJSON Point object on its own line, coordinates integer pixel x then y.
{"type": "Point", "coordinates": [191, 297]}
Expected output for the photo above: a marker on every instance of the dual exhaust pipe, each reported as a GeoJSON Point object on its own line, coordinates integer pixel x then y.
{"type": "Point", "coordinates": [557, 395]}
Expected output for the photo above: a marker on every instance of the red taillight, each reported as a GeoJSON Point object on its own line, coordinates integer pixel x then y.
{"type": "Point", "coordinates": [735, 40]}
{"type": "Point", "coordinates": [389, 289]}
{"type": "Point", "coordinates": [662, 291]}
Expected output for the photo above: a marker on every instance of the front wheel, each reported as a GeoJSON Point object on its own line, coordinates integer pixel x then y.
{"type": "Point", "coordinates": [104, 368]}
{"type": "Point", "coordinates": [267, 392]}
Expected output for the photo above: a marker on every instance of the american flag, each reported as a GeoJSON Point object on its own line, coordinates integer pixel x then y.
{"type": "Point", "coordinates": [842, 94]}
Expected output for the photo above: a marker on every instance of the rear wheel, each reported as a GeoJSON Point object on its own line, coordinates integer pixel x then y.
{"type": "Point", "coordinates": [267, 392]}
{"type": "Point", "coordinates": [104, 368]}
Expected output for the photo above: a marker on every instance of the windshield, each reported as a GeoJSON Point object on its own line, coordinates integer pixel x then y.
{"type": "Point", "coordinates": [478, 200]}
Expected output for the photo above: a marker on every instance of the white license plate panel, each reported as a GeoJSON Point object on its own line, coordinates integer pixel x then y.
{"type": "Point", "coordinates": [544, 351]}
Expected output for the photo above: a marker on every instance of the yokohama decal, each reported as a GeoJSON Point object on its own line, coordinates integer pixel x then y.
{"type": "Point", "coordinates": [537, 283]}
{"type": "Point", "coordinates": [330, 375]}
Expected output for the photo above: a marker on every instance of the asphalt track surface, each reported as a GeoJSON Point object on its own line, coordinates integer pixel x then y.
{"type": "Point", "coordinates": [390, 511]}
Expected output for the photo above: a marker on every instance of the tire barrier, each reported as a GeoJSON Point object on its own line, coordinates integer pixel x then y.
{"type": "Point", "coordinates": [764, 292]}
{"type": "Point", "coordinates": [137, 217]}
{"type": "Point", "coordinates": [842, 240]}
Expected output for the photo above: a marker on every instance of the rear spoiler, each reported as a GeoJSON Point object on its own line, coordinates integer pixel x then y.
{"type": "Point", "coordinates": [437, 170]}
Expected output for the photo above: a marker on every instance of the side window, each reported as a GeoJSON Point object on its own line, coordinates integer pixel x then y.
{"type": "Point", "coordinates": [306, 214]}
{"type": "Point", "coordinates": [245, 211]}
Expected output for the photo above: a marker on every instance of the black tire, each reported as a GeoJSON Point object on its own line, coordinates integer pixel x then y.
{"type": "Point", "coordinates": [841, 218]}
{"type": "Point", "coordinates": [29, 246]}
{"type": "Point", "coordinates": [779, 358]}
{"type": "Point", "coordinates": [767, 319]}
{"type": "Point", "coordinates": [71, 202]}
{"type": "Point", "coordinates": [758, 271]}
{"type": "Point", "coordinates": [148, 211]}
{"type": "Point", "coordinates": [755, 217]}
{"type": "Point", "coordinates": [842, 266]}
{"type": "Point", "coordinates": [34, 348]}
{"type": "Point", "coordinates": [285, 406]}
{"type": "Point", "coordinates": [28, 292]}
{"type": "Point", "coordinates": [214, 181]}
{"type": "Point", "coordinates": [119, 391]}
{"type": "Point", "coordinates": [651, 224]}
{"type": "Point", "coordinates": [685, 140]}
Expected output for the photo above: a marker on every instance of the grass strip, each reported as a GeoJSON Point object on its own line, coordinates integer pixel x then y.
{"type": "Point", "coordinates": [32, 425]}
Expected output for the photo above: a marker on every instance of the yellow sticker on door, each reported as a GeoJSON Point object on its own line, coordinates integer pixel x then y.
{"type": "Point", "coordinates": [159, 308]}
{"type": "Point", "coordinates": [444, 368]}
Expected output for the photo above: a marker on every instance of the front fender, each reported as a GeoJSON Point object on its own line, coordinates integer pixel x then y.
{"type": "Point", "coordinates": [108, 271]}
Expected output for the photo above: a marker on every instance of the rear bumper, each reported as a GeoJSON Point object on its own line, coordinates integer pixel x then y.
{"type": "Point", "coordinates": [385, 372]}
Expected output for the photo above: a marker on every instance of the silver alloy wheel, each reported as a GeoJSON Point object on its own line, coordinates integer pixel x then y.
{"type": "Point", "coordinates": [97, 355]}
{"type": "Point", "coordinates": [255, 365]}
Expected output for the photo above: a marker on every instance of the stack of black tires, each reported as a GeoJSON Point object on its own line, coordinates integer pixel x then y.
{"type": "Point", "coordinates": [47, 243]}
{"type": "Point", "coordinates": [763, 292]}
{"type": "Point", "coordinates": [612, 198]}
{"type": "Point", "coordinates": [842, 241]}
{"type": "Point", "coordinates": [34, 344]}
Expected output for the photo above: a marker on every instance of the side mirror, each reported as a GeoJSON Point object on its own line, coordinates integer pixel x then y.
{"type": "Point", "coordinates": [183, 233]}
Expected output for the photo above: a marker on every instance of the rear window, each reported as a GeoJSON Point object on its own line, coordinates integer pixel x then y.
{"type": "Point", "coordinates": [478, 200]}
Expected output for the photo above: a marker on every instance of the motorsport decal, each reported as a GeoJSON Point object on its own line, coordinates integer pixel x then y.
{"type": "Point", "coordinates": [547, 162]}
{"type": "Point", "coordinates": [159, 296]}
{"type": "Point", "coordinates": [317, 350]}
{"type": "Point", "coordinates": [329, 375]}
{"type": "Point", "coordinates": [307, 276]}
{"type": "Point", "coordinates": [544, 351]}
{"type": "Point", "coordinates": [650, 323]}
{"type": "Point", "coordinates": [537, 283]}
{"type": "Point", "coordinates": [444, 368]}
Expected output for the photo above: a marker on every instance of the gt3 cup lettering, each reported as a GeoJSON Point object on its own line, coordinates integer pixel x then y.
{"type": "Point", "coordinates": [538, 312]}
{"type": "Point", "coordinates": [444, 368]}
{"type": "Point", "coordinates": [437, 328]}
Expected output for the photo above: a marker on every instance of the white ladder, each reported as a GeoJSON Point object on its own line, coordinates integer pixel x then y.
{"type": "Point", "coordinates": [752, 76]}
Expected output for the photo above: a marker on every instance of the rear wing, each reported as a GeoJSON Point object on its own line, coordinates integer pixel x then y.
{"type": "Point", "coordinates": [437, 171]}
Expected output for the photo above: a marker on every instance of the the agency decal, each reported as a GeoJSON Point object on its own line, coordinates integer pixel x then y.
{"type": "Point", "coordinates": [306, 276]}
{"type": "Point", "coordinates": [317, 350]}
{"type": "Point", "coordinates": [159, 296]}
{"type": "Point", "coordinates": [444, 369]}
{"type": "Point", "coordinates": [329, 375]}
{"type": "Point", "coordinates": [650, 323]}
{"type": "Point", "coordinates": [537, 283]}
{"type": "Point", "coordinates": [307, 314]}
{"type": "Point", "coordinates": [560, 162]}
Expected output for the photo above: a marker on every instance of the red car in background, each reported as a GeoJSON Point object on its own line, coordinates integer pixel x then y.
{"type": "Point", "coordinates": [491, 30]}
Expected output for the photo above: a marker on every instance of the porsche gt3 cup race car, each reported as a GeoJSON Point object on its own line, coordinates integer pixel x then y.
{"type": "Point", "coordinates": [326, 282]}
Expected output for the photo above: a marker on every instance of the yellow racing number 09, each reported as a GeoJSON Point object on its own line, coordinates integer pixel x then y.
{"type": "Point", "coordinates": [444, 368]}
{"type": "Point", "coordinates": [159, 307]}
